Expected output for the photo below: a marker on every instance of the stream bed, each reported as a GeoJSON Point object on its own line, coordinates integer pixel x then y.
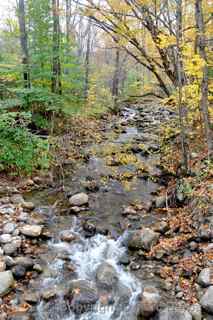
{"type": "Point", "coordinates": [87, 257]}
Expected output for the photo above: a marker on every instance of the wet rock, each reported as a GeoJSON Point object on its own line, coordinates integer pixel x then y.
{"type": "Point", "coordinates": [83, 295]}
{"type": "Point", "coordinates": [161, 227]}
{"type": "Point", "coordinates": [134, 266]}
{"type": "Point", "coordinates": [26, 262]}
{"type": "Point", "coordinates": [28, 205]}
{"type": "Point", "coordinates": [124, 259]}
{"type": "Point", "coordinates": [67, 236]}
{"type": "Point", "coordinates": [129, 211]}
{"type": "Point", "coordinates": [7, 190]}
{"type": "Point", "coordinates": [9, 227]}
{"type": "Point", "coordinates": [142, 239]}
{"type": "Point", "coordinates": [31, 297]}
{"type": "Point", "coordinates": [160, 201]}
{"type": "Point", "coordinates": [9, 261]}
{"type": "Point", "coordinates": [49, 293]}
{"type": "Point", "coordinates": [206, 231]}
{"type": "Point", "coordinates": [148, 302]}
{"type": "Point", "coordinates": [89, 228]}
{"type": "Point", "coordinates": [4, 200]}
{"type": "Point", "coordinates": [37, 268]}
{"type": "Point", "coordinates": [193, 246]}
{"type": "Point", "coordinates": [196, 312]}
{"type": "Point", "coordinates": [31, 230]}
{"type": "Point", "coordinates": [92, 186]}
{"type": "Point", "coordinates": [106, 276]}
{"type": "Point", "coordinates": [205, 278]}
{"type": "Point", "coordinates": [207, 300]}
{"type": "Point", "coordinates": [77, 209]}
{"type": "Point", "coordinates": [6, 282]}
{"type": "Point", "coordinates": [5, 238]}
{"type": "Point", "coordinates": [17, 199]}
{"type": "Point", "coordinates": [23, 217]}
{"type": "Point", "coordinates": [7, 209]}
{"type": "Point", "coordinates": [79, 199]}
{"type": "Point", "coordinates": [174, 313]}
{"type": "Point", "coordinates": [10, 248]}
{"type": "Point", "coordinates": [19, 271]}
{"type": "Point", "coordinates": [179, 295]}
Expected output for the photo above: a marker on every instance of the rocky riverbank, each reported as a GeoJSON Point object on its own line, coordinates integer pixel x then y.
{"type": "Point", "coordinates": [122, 234]}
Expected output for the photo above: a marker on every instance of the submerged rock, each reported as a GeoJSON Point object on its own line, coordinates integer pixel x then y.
{"type": "Point", "coordinates": [142, 239]}
{"type": "Point", "coordinates": [106, 276]}
{"type": "Point", "coordinates": [83, 295]}
{"type": "Point", "coordinates": [148, 302]}
{"type": "Point", "coordinates": [79, 199]}
{"type": "Point", "coordinates": [6, 282]}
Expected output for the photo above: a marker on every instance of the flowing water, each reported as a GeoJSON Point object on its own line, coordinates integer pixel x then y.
{"type": "Point", "coordinates": [86, 254]}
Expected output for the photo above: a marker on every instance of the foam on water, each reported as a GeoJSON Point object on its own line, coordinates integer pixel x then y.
{"type": "Point", "coordinates": [87, 255]}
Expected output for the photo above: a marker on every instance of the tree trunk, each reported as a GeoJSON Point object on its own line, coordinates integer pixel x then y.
{"type": "Point", "coordinates": [56, 64]}
{"type": "Point", "coordinates": [180, 85]}
{"type": "Point", "coordinates": [116, 77]}
{"type": "Point", "coordinates": [24, 43]}
{"type": "Point", "coordinates": [87, 60]}
{"type": "Point", "coordinates": [201, 48]}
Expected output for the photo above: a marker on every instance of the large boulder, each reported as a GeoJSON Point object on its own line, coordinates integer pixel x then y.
{"type": "Point", "coordinates": [148, 302]}
{"type": "Point", "coordinates": [142, 239]}
{"type": "Point", "coordinates": [6, 282]}
{"type": "Point", "coordinates": [207, 300]}
{"type": "Point", "coordinates": [196, 311]}
{"type": "Point", "coordinates": [83, 295]}
{"type": "Point", "coordinates": [174, 313]}
{"type": "Point", "coordinates": [205, 278]}
{"type": "Point", "coordinates": [106, 276]}
{"type": "Point", "coordinates": [79, 199]}
{"type": "Point", "coordinates": [31, 230]}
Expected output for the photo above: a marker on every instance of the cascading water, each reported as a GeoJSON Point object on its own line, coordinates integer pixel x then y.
{"type": "Point", "coordinates": [86, 255]}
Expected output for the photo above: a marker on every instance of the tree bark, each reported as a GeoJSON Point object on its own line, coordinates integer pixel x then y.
{"type": "Point", "coordinates": [56, 64]}
{"type": "Point", "coordinates": [24, 43]}
{"type": "Point", "coordinates": [87, 60]}
{"type": "Point", "coordinates": [180, 85]}
{"type": "Point", "coordinates": [201, 48]}
{"type": "Point", "coordinates": [116, 77]}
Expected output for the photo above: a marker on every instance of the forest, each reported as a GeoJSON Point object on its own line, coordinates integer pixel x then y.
{"type": "Point", "coordinates": [106, 159]}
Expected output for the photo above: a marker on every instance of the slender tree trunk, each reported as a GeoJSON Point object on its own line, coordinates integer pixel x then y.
{"type": "Point", "coordinates": [87, 60]}
{"type": "Point", "coordinates": [180, 85]}
{"type": "Point", "coordinates": [201, 48]}
{"type": "Point", "coordinates": [56, 64]}
{"type": "Point", "coordinates": [116, 77]}
{"type": "Point", "coordinates": [24, 43]}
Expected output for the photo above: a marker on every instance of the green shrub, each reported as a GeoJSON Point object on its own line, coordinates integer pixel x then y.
{"type": "Point", "coordinates": [20, 150]}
